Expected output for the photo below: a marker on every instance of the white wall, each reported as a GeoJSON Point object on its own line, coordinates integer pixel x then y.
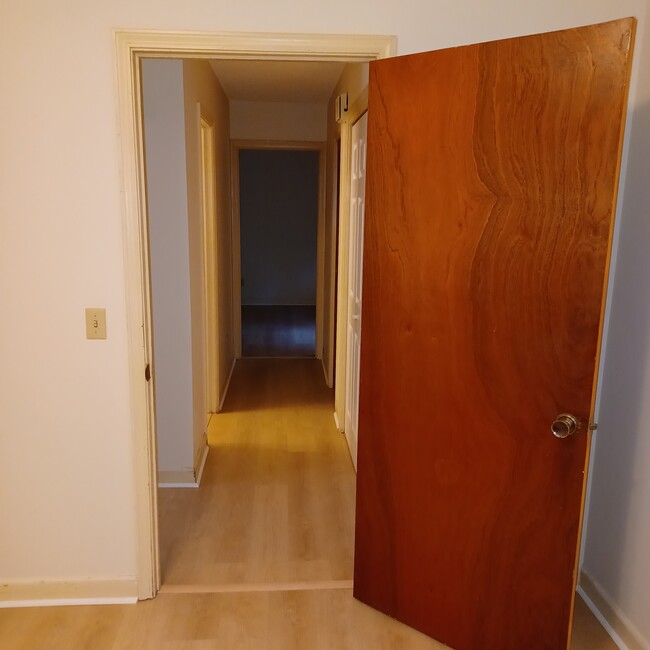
{"type": "Point", "coordinates": [617, 548]}
{"type": "Point", "coordinates": [66, 450]}
{"type": "Point", "coordinates": [278, 121]}
{"type": "Point", "coordinates": [164, 127]}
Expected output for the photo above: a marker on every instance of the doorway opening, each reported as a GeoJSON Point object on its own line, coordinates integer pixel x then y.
{"type": "Point", "coordinates": [277, 214]}
{"type": "Point", "coordinates": [269, 257]}
{"type": "Point", "coordinates": [133, 50]}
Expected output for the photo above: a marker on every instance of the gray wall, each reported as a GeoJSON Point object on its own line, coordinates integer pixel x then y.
{"type": "Point", "coordinates": [164, 135]}
{"type": "Point", "coordinates": [278, 214]}
{"type": "Point", "coordinates": [617, 548]}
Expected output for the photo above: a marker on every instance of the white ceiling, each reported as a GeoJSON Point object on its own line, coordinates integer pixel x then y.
{"type": "Point", "coordinates": [278, 81]}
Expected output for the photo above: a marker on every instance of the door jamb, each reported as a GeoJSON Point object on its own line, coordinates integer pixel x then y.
{"type": "Point", "coordinates": [276, 145]}
{"type": "Point", "coordinates": [131, 47]}
{"type": "Point", "coordinates": [210, 263]}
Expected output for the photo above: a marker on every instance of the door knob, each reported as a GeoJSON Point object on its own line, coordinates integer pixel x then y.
{"type": "Point", "coordinates": [565, 425]}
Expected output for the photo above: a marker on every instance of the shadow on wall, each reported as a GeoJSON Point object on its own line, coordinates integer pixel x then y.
{"type": "Point", "coordinates": [618, 531]}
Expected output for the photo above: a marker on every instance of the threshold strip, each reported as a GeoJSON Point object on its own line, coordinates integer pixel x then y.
{"type": "Point", "coordinates": [244, 587]}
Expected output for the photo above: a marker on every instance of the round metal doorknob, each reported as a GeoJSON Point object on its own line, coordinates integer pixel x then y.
{"type": "Point", "coordinates": [565, 425]}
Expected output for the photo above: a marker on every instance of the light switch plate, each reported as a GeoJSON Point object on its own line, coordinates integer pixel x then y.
{"type": "Point", "coordinates": [95, 323]}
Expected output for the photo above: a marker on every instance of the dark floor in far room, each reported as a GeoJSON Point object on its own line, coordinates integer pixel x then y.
{"type": "Point", "coordinates": [278, 331]}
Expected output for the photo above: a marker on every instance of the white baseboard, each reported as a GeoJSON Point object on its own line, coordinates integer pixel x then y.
{"type": "Point", "coordinates": [177, 478]}
{"type": "Point", "coordinates": [204, 457]}
{"type": "Point", "coordinates": [227, 386]}
{"type": "Point", "coordinates": [336, 422]}
{"type": "Point", "coordinates": [184, 478]}
{"type": "Point", "coordinates": [618, 626]}
{"type": "Point", "coordinates": [352, 446]}
{"type": "Point", "coordinates": [327, 380]}
{"type": "Point", "coordinates": [51, 593]}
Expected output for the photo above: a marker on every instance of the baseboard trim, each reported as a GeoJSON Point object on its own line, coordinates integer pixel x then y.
{"type": "Point", "coordinates": [322, 363]}
{"type": "Point", "coordinates": [56, 593]}
{"type": "Point", "coordinates": [183, 478]}
{"type": "Point", "coordinates": [336, 422]}
{"type": "Point", "coordinates": [204, 457]}
{"type": "Point", "coordinates": [352, 447]}
{"type": "Point", "coordinates": [618, 626]}
{"type": "Point", "coordinates": [227, 386]}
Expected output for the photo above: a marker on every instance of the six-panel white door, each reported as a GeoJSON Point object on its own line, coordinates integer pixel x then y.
{"type": "Point", "coordinates": [355, 273]}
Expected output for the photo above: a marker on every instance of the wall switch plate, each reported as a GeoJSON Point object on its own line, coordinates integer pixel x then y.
{"type": "Point", "coordinates": [95, 323]}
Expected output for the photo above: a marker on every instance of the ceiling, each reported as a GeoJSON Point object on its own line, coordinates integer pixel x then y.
{"type": "Point", "coordinates": [278, 81]}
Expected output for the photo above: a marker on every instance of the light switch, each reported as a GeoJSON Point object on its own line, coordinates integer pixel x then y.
{"type": "Point", "coordinates": [95, 323]}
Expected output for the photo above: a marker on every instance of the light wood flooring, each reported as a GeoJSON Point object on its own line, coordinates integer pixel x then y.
{"type": "Point", "coordinates": [276, 503]}
{"type": "Point", "coordinates": [270, 527]}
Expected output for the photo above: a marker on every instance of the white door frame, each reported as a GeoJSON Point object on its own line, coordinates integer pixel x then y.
{"type": "Point", "coordinates": [235, 147]}
{"type": "Point", "coordinates": [210, 266]}
{"type": "Point", "coordinates": [131, 47]}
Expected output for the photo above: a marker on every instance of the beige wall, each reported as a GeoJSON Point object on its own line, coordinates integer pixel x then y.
{"type": "Point", "coordinates": [202, 87]}
{"type": "Point", "coordinates": [67, 492]}
{"type": "Point", "coordinates": [164, 128]}
{"type": "Point", "coordinates": [278, 121]}
{"type": "Point", "coordinates": [172, 93]}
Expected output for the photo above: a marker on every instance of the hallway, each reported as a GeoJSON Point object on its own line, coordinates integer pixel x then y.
{"type": "Point", "coordinates": [276, 502]}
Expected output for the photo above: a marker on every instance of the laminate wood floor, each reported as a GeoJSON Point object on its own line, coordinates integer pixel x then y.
{"type": "Point", "coordinates": [272, 521]}
{"type": "Point", "coordinates": [277, 620]}
{"type": "Point", "coordinates": [276, 503]}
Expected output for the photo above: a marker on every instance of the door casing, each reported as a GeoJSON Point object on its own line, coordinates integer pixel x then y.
{"type": "Point", "coordinates": [210, 266]}
{"type": "Point", "coordinates": [131, 47]}
{"type": "Point", "coordinates": [235, 147]}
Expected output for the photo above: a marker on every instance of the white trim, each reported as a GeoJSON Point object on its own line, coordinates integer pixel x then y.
{"type": "Point", "coordinates": [184, 478]}
{"type": "Point", "coordinates": [610, 616]}
{"type": "Point", "coordinates": [322, 363]}
{"type": "Point", "coordinates": [131, 46]}
{"type": "Point", "coordinates": [352, 441]}
{"type": "Point", "coordinates": [66, 602]}
{"type": "Point", "coordinates": [274, 46]}
{"type": "Point", "coordinates": [601, 619]}
{"type": "Point", "coordinates": [336, 422]}
{"type": "Point", "coordinates": [210, 244]}
{"type": "Point", "coordinates": [320, 250]}
{"type": "Point", "coordinates": [236, 146]}
{"type": "Point", "coordinates": [204, 457]}
{"type": "Point", "coordinates": [177, 479]}
{"type": "Point", "coordinates": [51, 593]}
{"type": "Point", "coordinates": [227, 386]}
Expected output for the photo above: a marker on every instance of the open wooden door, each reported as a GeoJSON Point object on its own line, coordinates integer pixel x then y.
{"type": "Point", "coordinates": [491, 184]}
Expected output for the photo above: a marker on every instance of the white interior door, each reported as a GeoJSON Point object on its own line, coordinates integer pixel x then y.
{"type": "Point", "coordinates": [355, 274]}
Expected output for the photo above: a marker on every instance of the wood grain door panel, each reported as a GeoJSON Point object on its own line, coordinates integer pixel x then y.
{"type": "Point", "coordinates": [491, 183]}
